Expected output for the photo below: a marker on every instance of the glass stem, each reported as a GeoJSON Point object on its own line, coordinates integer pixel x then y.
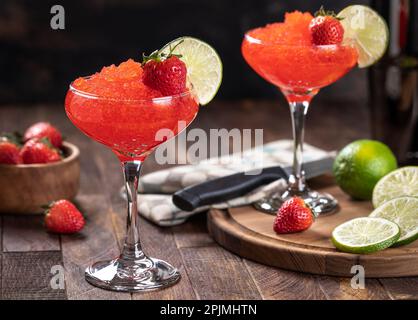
{"type": "Point", "coordinates": [298, 110]}
{"type": "Point", "coordinates": [132, 248]}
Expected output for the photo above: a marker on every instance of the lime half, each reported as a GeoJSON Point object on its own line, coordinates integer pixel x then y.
{"type": "Point", "coordinates": [398, 183]}
{"type": "Point", "coordinates": [204, 67]}
{"type": "Point", "coordinates": [368, 30]}
{"type": "Point", "coordinates": [365, 235]}
{"type": "Point", "coordinates": [404, 212]}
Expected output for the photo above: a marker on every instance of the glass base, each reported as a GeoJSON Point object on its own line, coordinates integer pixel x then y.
{"type": "Point", "coordinates": [132, 275]}
{"type": "Point", "coordinates": [320, 203]}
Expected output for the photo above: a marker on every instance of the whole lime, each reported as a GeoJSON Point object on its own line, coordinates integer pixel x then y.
{"type": "Point", "coordinates": [360, 165]}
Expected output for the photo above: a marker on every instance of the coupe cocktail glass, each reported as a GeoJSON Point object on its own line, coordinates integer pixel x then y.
{"type": "Point", "coordinates": [129, 127]}
{"type": "Point", "coordinates": [299, 71]}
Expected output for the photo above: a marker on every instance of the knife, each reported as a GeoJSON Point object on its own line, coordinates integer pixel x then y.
{"type": "Point", "coordinates": [238, 184]}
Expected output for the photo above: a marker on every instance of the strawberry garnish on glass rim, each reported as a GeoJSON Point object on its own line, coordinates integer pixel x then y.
{"type": "Point", "coordinates": [326, 28]}
{"type": "Point", "coordinates": [165, 72]}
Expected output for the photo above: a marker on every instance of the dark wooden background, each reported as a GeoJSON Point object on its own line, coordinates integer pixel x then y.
{"type": "Point", "coordinates": [37, 63]}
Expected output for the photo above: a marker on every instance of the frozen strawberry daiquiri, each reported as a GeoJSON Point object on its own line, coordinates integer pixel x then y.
{"type": "Point", "coordinates": [302, 55]}
{"type": "Point", "coordinates": [116, 108]}
{"type": "Point", "coordinates": [284, 54]}
{"type": "Point", "coordinates": [124, 107]}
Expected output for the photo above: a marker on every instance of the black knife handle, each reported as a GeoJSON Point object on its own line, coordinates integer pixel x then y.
{"type": "Point", "coordinates": [224, 189]}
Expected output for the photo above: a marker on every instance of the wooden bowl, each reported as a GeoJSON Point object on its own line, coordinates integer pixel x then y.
{"type": "Point", "coordinates": [25, 188]}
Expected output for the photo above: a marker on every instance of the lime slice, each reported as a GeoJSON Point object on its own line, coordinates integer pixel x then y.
{"type": "Point", "coordinates": [404, 212]}
{"type": "Point", "coordinates": [365, 235]}
{"type": "Point", "coordinates": [398, 183]}
{"type": "Point", "coordinates": [204, 67]}
{"type": "Point", "coordinates": [368, 30]}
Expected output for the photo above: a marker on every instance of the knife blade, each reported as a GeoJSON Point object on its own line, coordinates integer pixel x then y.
{"type": "Point", "coordinates": [238, 184]}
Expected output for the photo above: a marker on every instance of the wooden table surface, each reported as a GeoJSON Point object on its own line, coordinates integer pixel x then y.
{"type": "Point", "coordinates": [208, 271]}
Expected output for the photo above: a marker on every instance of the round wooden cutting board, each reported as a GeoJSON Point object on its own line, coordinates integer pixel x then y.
{"type": "Point", "coordinates": [249, 233]}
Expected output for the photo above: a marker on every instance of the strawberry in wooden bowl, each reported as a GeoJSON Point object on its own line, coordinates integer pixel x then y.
{"type": "Point", "coordinates": [36, 169]}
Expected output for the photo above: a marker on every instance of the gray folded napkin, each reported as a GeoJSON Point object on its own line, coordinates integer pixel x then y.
{"type": "Point", "coordinates": [156, 188]}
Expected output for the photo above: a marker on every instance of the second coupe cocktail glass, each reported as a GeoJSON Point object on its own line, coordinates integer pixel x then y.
{"type": "Point", "coordinates": [283, 55]}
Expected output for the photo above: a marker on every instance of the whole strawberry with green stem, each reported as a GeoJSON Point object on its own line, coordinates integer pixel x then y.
{"type": "Point", "coordinates": [326, 28]}
{"type": "Point", "coordinates": [63, 217]}
{"type": "Point", "coordinates": [39, 151]}
{"type": "Point", "coordinates": [165, 72]}
{"type": "Point", "coordinates": [44, 130]}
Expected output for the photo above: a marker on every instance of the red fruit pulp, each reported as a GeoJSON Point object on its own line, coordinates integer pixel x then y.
{"type": "Point", "coordinates": [283, 54]}
{"type": "Point", "coordinates": [118, 110]}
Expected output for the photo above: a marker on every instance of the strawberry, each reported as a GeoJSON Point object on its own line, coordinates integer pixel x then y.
{"type": "Point", "coordinates": [293, 216]}
{"type": "Point", "coordinates": [63, 217]}
{"type": "Point", "coordinates": [44, 130]}
{"type": "Point", "coordinates": [9, 153]}
{"type": "Point", "coordinates": [39, 151]}
{"type": "Point", "coordinates": [9, 149]}
{"type": "Point", "coordinates": [165, 72]}
{"type": "Point", "coordinates": [326, 29]}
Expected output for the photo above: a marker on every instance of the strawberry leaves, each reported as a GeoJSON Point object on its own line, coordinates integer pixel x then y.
{"type": "Point", "coordinates": [159, 56]}
{"type": "Point", "coordinates": [326, 13]}
{"type": "Point", "coordinates": [13, 137]}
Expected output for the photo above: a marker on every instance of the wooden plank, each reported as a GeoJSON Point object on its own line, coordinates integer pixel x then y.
{"type": "Point", "coordinates": [218, 274]}
{"type": "Point", "coordinates": [159, 243]}
{"type": "Point", "coordinates": [401, 288]}
{"type": "Point", "coordinates": [337, 288]}
{"type": "Point", "coordinates": [281, 284]}
{"type": "Point", "coordinates": [27, 275]}
{"type": "Point", "coordinates": [193, 233]}
{"type": "Point", "coordinates": [95, 242]}
{"type": "Point", "coordinates": [27, 233]}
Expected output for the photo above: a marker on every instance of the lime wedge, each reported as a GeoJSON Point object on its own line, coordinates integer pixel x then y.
{"type": "Point", "coordinates": [367, 30]}
{"type": "Point", "coordinates": [365, 235]}
{"type": "Point", "coordinates": [404, 212]}
{"type": "Point", "coordinates": [204, 67]}
{"type": "Point", "coordinates": [398, 183]}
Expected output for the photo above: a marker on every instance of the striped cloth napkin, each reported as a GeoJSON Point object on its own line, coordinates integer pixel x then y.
{"type": "Point", "coordinates": [156, 188]}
